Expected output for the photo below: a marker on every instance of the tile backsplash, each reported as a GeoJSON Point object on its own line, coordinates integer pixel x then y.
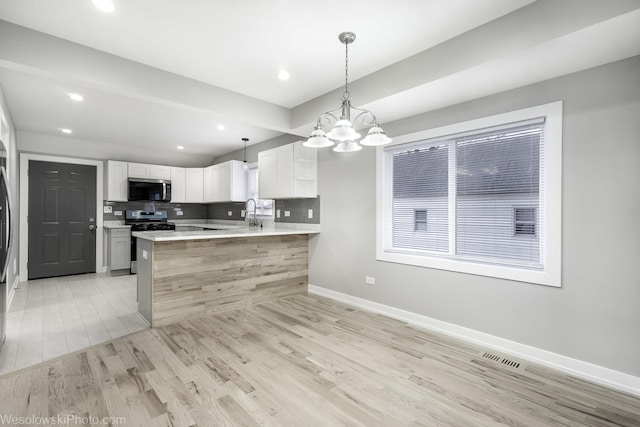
{"type": "Point", "coordinates": [189, 210]}
{"type": "Point", "coordinates": [222, 210]}
{"type": "Point", "coordinates": [298, 210]}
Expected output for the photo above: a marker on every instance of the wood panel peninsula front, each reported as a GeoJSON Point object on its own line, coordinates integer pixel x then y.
{"type": "Point", "coordinates": [187, 274]}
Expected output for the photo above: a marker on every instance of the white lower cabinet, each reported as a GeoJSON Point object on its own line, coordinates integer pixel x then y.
{"type": "Point", "coordinates": [119, 249]}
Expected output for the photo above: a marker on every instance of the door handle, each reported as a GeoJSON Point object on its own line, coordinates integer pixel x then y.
{"type": "Point", "coordinates": [92, 227]}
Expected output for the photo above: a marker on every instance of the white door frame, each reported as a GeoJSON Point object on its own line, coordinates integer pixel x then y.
{"type": "Point", "coordinates": [24, 205]}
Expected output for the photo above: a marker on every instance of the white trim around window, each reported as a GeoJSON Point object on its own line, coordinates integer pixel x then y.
{"type": "Point", "coordinates": [550, 216]}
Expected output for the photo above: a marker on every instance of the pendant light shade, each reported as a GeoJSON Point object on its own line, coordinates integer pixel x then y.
{"type": "Point", "coordinates": [245, 165]}
{"type": "Point", "coordinates": [347, 147]}
{"type": "Point", "coordinates": [375, 137]}
{"type": "Point", "coordinates": [343, 129]}
{"type": "Point", "coordinates": [318, 139]}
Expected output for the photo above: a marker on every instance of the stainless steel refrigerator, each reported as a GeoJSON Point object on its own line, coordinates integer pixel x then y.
{"type": "Point", "coordinates": [6, 228]}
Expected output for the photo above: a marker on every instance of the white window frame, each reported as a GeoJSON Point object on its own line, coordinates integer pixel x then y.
{"type": "Point", "coordinates": [250, 168]}
{"type": "Point", "coordinates": [550, 217]}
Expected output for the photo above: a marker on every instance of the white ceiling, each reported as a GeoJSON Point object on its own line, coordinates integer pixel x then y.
{"type": "Point", "coordinates": [167, 71]}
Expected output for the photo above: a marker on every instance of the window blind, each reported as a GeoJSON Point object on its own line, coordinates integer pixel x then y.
{"type": "Point", "coordinates": [481, 189]}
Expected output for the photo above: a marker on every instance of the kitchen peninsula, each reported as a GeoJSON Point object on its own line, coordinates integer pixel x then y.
{"type": "Point", "coordinates": [187, 274]}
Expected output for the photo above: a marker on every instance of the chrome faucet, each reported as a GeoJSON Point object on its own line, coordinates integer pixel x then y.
{"type": "Point", "coordinates": [255, 207]}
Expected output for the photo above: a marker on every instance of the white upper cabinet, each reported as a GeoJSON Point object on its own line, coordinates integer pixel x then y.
{"type": "Point", "coordinates": [141, 170]}
{"type": "Point", "coordinates": [288, 172]}
{"type": "Point", "coordinates": [207, 184]}
{"type": "Point", "coordinates": [225, 182]}
{"type": "Point", "coordinates": [178, 185]}
{"type": "Point", "coordinates": [194, 185]}
{"type": "Point", "coordinates": [116, 181]}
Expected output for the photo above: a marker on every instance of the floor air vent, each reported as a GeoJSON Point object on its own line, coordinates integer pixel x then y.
{"type": "Point", "coordinates": [502, 360]}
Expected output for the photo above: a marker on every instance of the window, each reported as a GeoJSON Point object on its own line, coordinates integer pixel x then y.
{"type": "Point", "coordinates": [491, 189]}
{"type": "Point", "coordinates": [420, 220]}
{"type": "Point", "coordinates": [264, 207]}
{"type": "Point", "coordinates": [524, 221]}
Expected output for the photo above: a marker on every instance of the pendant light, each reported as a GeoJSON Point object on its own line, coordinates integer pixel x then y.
{"type": "Point", "coordinates": [245, 165]}
{"type": "Point", "coordinates": [343, 131]}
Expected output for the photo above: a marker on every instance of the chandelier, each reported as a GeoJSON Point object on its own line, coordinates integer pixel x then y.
{"type": "Point", "coordinates": [343, 132]}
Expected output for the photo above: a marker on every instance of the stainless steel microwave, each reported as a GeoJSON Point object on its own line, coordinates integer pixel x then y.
{"type": "Point", "coordinates": [156, 190]}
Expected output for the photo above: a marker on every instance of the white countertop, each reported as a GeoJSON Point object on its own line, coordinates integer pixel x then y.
{"type": "Point", "coordinates": [114, 224]}
{"type": "Point", "coordinates": [227, 231]}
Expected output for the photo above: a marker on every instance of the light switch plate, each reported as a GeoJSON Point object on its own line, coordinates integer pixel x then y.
{"type": "Point", "coordinates": [277, 213]}
{"type": "Point", "coordinates": [310, 214]}
{"type": "Point", "coordinates": [229, 213]}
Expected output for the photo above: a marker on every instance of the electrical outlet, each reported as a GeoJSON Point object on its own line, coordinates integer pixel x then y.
{"type": "Point", "coordinates": [229, 213]}
{"type": "Point", "coordinates": [277, 213]}
{"type": "Point", "coordinates": [117, 213]}
{"type": "Point", "coordinates": [107, 209]}
{"type": "Point", "coordinates": [287, 213]}
{"type": "Point", "coordinates": [243, 213]}
{"type": "Point", "coordinates": [310, 214]}
{"type": "Point", "coordinates": [370, 280]}
{"type": "Point", "coordinates": [179, 213]}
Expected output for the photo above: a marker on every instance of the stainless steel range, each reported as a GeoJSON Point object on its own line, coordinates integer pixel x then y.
{"type": "Point", "coordinates": [145, 221]}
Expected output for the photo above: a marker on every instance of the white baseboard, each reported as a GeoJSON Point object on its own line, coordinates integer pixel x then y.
{"type": "Point", "coordinates": [597, 374]}
{"type": "Point", "coordinates": [141, 317]}
{"type": "Point", "coordinates": [12, 291]}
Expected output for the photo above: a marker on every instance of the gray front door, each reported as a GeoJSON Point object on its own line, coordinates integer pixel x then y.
{"type": "Point", "coordinates": [62, 214]}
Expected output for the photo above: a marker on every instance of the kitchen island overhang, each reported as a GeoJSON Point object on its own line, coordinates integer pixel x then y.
{"type": "Point", "coordinates": [184, 275]}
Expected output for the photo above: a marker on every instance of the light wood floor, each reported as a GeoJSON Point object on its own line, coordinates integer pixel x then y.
{"type": "Point", "coordinates": [305, 361]}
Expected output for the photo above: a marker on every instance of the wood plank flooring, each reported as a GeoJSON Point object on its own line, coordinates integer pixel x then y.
{"type": "Point", "coordinates": [304, 361]}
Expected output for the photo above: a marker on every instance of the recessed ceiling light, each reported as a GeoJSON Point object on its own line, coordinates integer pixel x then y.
{"type": "Point", "coordinates": [104, 5]}
{"type": "Point", "coordinates": [65, 130]}
{"type": "Point", "coordinates": [283, 75]}
{"type": "Point", "coordinates": [220, 127]}
{"type": "Point", "coordinates": [180, 147]}
{"type": "Point", "coordinates": [76, 97]}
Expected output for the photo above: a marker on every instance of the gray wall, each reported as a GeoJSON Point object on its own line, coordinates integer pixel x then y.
{"type": "Point", "coordinates": [253, 150]}
{"type": "Point", "coordinates": [595, 316]}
